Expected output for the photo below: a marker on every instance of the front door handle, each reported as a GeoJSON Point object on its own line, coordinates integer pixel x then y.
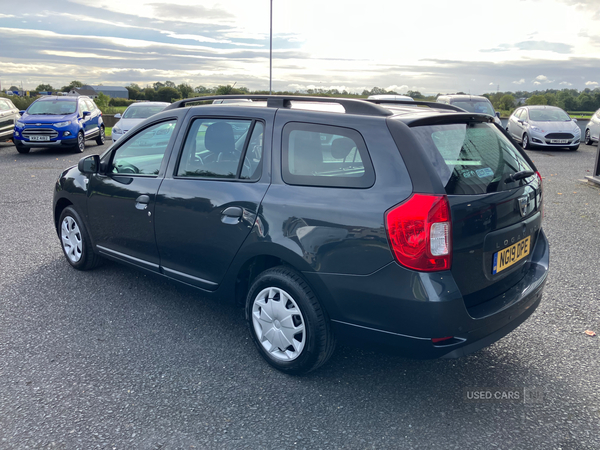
{"type": "Point", "coordinates": [233, 211]}
{"type": "Point", "coordinates": [142, 202]}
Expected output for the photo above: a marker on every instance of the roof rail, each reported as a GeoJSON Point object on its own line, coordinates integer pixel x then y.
{"type": "Point", "coordinates": [418, 103]}
{"type": "Point", "coordinates": [351, 106]}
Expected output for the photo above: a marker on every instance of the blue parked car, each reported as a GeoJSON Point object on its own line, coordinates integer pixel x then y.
{"type": "Point", "coordinates": [59, 122]}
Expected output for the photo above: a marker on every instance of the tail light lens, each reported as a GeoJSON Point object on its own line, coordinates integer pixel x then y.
{"type": "Point", "coordinates": [419, 231]}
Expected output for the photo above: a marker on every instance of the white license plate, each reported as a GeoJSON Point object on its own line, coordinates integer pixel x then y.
{"type": "Point", "coordinates": [559, 141]}
{"type": "Point", "coordinates": [39, 138]}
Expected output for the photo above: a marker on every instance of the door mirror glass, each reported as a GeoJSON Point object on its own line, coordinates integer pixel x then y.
{"type": "Point", "coordinates": [89, 164]}
{"type": "Point", "coordinates": [117, 115]}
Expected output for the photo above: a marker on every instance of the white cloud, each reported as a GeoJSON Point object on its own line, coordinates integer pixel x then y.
{"type": "Point", "coordinates": [521, 81]}
{"type": "Point", "coordinates": [491, 84]}
{"type": "Point", "coordinates": [565, 83]}
{"type": "Point", "coordinates": [541, 78]}
{"type": "Point", "coordinates": [537, 83]}
{"type": "Point", "coordinates": [400, 89]}
{"type": "Point", "coordinates": [591, 83]}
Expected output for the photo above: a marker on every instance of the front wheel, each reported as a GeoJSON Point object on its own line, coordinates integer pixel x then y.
{"type": "Point", "coordinates": [525, 142]}
{"type": "Point", "coordinates": [588, 138]}
{"type": "Point", "coordinates": [75, 241]}
{"type": "Point", "coordinates": [21, 148]}
{"type": "Point", "coordinates": [80, 147]}
{"type": "Point", "coordinates": [101, 137]}
{"type": "Point", "coordinates": [287, 323]}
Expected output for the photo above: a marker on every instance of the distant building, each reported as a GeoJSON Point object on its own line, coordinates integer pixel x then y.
{"type": "Point", "coordinates": [83, 91]}
{"type": "Point", "coordinates": [111, 91]}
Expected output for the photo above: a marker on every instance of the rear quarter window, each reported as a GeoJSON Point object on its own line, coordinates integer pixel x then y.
{"type": "Point", "coordinates": [329, 156]}
{"type": "Point", "coordinates": [471, 158]}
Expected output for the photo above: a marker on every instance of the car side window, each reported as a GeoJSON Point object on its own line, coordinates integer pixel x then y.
{"type": "Point", "coordinates": [90, 105]}
{"type": "Point", "coordinates": [222, 148]}
{"type": "Point", "coordinates": [321, 155]}
{"type": "Point", "coordinates": [143, 153]}
{"type": "Point", "coordinates": [4, 106]}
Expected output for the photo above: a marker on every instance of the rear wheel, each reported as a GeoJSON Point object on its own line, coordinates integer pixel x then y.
{"type": "Point", "coordinates": [588, 137]}
{"type": "Point", "coordinates": [101, 137]}
{"type": "Point", "coordinates": [525, 142]}
{"type": "Point", "coordinates": [75, 241]}
{"type": "Point", "coordinates": [287, 323]}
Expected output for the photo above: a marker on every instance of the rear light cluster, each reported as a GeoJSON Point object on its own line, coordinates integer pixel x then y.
{"type": "Point", "coordinates": [419, 231]}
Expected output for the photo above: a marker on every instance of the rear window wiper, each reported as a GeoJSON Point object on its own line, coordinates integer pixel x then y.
{"type": "Point", "coordinates": [520, 175]}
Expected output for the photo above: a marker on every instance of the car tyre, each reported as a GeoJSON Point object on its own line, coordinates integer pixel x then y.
{"type": "Point", "coordinates": [22, 149]}
{"type": "Point", "coordinates": [588, 137]}
{"type": "Point", "coordinates": [101, 137]}
{"type": "Point", "coordinates": [281, 309]}
{"type": "Point", "coordinates": [525, 142]}
{"type": "Point", "coordinates": [80, 146]}
{"type": "Point", "coordinates": [75, 241]}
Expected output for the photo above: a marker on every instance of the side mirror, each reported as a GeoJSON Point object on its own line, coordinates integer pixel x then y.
{"type": "Point", "coordinates": [117, 115]}
{"type": "Point", "coordinates": [22, 112]}
{"type": "Point", "coordinates": [87, 113]}
{"type": "Point", "coordinates": [497, 114]}
{"type": "Point", "coordinates": [574, 120]}
{"type": "Point", "coordinates": [89, 164]}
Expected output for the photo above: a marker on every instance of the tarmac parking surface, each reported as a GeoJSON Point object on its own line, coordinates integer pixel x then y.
{"type": "Point", "coordinates": [114, 358]}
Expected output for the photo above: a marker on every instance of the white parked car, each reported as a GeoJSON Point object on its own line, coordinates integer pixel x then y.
{"type": "Point", "coordinates": [544, 126]}
{"type": "Point", "coordinates": [135, 114]}
{"type": "Point", "coordinates": [592, 130]}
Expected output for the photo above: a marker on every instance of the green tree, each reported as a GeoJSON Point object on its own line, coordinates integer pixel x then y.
{"type": "Point", "coordinates": [13, 88]}
{"type": "Point", "coordinates": [170, 84]}
{"type": "Point", "coordinates": [72, 85]}
{"type": "Point", "coordinates": [536, 100]}
{"type": "Point", "coordinates": [186, 90]}
{"type": "Point", "coordinates": [566, 100]}
{"type": "Point", "coordinates": [158, 85]}
{"type": "Point", "coordinates": [550, 98]}
{"type": "Point", "coordinates": [228, 90]}
{"type": "Point", "coordinates": [135, 92]}
{"type": "Point", "coordinates": [148, 94]}
{"type": "Point", "coordinates": [167, 94]}
{"type": "Point", "coordinates": [506, 102]}
{"type": "Point", "coordinates": [44, 88]}
{"type": "Point", "coordinates": [585, 102]}
{"type": "Point", "coordinates": [102, 101]}
{"type": "Point", "coordinates": [203, 90]}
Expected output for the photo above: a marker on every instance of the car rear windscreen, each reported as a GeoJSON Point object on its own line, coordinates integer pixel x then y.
{"type": "Point", "coordinates": [471, 158]}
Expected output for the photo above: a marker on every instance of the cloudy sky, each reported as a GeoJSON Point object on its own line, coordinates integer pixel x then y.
{"type": "Point", "coordinates": [434, 46]}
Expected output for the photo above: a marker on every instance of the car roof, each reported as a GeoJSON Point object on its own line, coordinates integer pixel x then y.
{"type": "Point", "coordinates": [405, 111]}
{"type": "Point", "coordinates": [465, 97]}
{"type": "Point", "coordinates": [148, 104]}
{"type": "Point", "coordinates": [542, 107]}
{"type": "Point", "coordinates": [65, 98]}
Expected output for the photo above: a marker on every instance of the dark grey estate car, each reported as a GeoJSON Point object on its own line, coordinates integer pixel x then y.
{"type": "Point", "coordinates": [410, 225]}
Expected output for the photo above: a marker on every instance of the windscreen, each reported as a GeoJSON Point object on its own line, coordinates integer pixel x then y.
{"type": "Point", "coordinates": [475, 106]}
{"type": "Point", "coordinates": [548, 115]}
{"type": "Point", "coordinates": [472, 158]}
{"type": "Point", "coordinates": [56, 107]}
{"type": "Point", "coordinates": [142, 112]}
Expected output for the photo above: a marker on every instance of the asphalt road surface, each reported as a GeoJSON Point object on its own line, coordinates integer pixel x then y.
{"type": "Point", "coordinates": [116, 359]}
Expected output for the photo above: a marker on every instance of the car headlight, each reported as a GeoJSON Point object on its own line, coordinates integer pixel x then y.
{"type": "Point", "coordinates": [20, 124]}
{"type": "Point", "coordinates": [577, 131]}
{"type": "Point", "coordinates": [116, 130]}
{"type": "Point", "coordinates": [62, 124]}
{"type": "Point", "coordinates": [534, 128]}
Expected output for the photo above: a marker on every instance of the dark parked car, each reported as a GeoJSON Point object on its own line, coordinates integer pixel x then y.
{"type": "Point", "coordinates": [415, 226]}
{"type": "Point", "coordinates": [53, 121]}
{"type": "Point", "coordinates": [9, 114]}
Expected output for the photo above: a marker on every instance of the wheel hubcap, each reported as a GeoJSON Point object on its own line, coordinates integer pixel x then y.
{"type": "Point", "coordinates": [71, 239]}
{"type": "Point", "coordinates": [80, 141]}
{"type": "Point", "coordinates": [278, 324]}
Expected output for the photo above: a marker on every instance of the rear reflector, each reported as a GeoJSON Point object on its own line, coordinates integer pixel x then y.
{"type": "Point", "coordinates": [436, 340]}
{"type": "Point", "coordinates": [419, 232]}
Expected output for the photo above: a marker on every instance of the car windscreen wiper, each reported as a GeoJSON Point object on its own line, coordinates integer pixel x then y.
{"type": "Point", "coordinates": [520, 175]}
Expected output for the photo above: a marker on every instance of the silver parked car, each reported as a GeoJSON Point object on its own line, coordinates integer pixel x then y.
{"type": "Point", "coordinates": [9, 114]}
{"type": "Point", "coordinates": [592, 130]}
{"type": "Point", "coordinates": [471, 103]}
{"type": "Point", "coordinates": [544, 126]}
{"type": "Point", "coordinates": [136, 113]}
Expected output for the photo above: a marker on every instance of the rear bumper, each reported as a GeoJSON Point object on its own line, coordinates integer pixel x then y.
{"type": "Point", "coordinates": [403, 310]}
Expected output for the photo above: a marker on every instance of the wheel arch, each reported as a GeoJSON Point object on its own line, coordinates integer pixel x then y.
{"type": "Point", "coordinates": [61, 204]}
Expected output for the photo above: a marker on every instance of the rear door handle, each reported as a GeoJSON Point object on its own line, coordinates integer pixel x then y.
{"type": "Point", "coordinates": [142, 202]}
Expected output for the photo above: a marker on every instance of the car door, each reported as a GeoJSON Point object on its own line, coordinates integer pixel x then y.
{"type": "Point", "coordinates": [209, 200]}
{"type": "Point", "coordinates": [95, 115]}
{"type": "Point", "coordinates": [595, 126]}
{"type": "Point", "coordinates": [7, 117]}
{"type": "Point", "coordinates": [513, 124]}
{"type": "Point", "coordinates": [121, 199]}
